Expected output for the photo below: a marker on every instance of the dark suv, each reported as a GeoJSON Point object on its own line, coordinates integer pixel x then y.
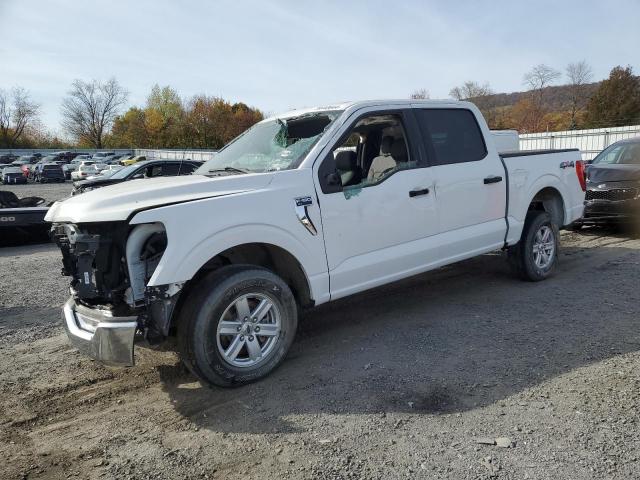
{"type": "Point", "coordinates": [48, 172]}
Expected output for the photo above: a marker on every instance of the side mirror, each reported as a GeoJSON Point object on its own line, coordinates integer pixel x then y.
{"type": "Point", "coordinates": [137, 176]}
{"type": "Point", "coordinates": [333, 179]}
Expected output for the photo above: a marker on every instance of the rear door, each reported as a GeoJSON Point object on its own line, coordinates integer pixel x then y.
{"type": "Point", "coordinates": [469, 181]}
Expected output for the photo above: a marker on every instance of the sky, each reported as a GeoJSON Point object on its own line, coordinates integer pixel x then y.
{"type": "Point", "coordinates": [279, 55]}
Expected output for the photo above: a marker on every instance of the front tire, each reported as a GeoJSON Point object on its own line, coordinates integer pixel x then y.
{"type": "Point", "coordinates": [236, 325]}
{"type": "Point", "coordinates": [535, 257]}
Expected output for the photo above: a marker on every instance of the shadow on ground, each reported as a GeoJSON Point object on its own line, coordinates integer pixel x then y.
{"type": "Point", "coordinates": [459, 338]}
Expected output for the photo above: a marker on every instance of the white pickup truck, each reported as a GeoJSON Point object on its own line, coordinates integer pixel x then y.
{"type": "Point", "coordinates": [301, 209]}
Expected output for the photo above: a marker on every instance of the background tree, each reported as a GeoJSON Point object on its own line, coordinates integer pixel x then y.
{"type": "Point", "coordinates": [537, 80]}
{"type": "Point", "coordinates": [90, 109]}
{"type": "Point", "coordinates": [420, 94]}
{"type": "Point", "coordinates": [616, 102]}
{"type": "Point", "coordinates": [130, 130]}
{"type": "Point", "coordinates": [17, 113]}
{"type": "Point", "coordinates": [168, 121]}
{"type": "Point", "coordinates": [540, 77]}
{"type": "Point", "coordinates": [480, 95]}
{"type": "Point", "coordinates": [579, 75]}
{"type": "Point", "coordinates": [213, 122]}
{"type": "Point", "coordinates": [470, 90]}
{"type": "Point", "coordinates": [164, 117]}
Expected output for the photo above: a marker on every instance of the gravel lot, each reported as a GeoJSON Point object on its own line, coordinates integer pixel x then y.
{"type": "Point", "coordinates": [49, 191]}
{"type": "Point", "coordinates": [407, 381]}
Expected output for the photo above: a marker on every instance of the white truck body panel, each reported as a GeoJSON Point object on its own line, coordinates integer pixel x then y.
{"type": "Point", "coordinates": [506, 140]}
{"type": "Point", "coordinates": [363, 240]}
{"type": "Point", "coordinates": [525, 182]}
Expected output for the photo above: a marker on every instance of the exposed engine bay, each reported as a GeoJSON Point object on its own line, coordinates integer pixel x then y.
{"type": "Point", "coordinates": [110, 265]}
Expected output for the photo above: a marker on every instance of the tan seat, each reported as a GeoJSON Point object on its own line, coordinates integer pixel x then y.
{"type": "Point", "coordinates": [383, 163]}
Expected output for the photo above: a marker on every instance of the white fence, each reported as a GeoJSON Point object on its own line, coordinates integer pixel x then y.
{"type": "Point", "coordinates": [589, 142]}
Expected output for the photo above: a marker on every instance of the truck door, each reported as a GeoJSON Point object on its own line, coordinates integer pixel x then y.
{"type": "Point", "coordinates": [376, 201]}
{"type": "Point", "coordinates": [469, 181]}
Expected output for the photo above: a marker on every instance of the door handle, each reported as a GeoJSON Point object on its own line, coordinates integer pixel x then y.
{"type": "Point", "coordinates": [415, 193]}
{"type": "Point", "coordinates": [492, 179]}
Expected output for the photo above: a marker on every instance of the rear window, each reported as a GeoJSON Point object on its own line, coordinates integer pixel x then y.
{"type": "Point", "coordinates": [51, 167]}
{"type": "Point", "coordinates": [454, 135]}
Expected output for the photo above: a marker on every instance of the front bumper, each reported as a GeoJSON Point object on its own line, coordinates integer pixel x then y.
{"type": "Point", "coordinates": [100, 335]}
{"type": "Point", "coordinates": [15, 179]}
{"type": "Point", "coordinates": [603, 211]}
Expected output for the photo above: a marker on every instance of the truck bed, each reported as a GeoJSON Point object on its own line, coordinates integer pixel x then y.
{"type": "Point", "coordinates": [22, 225]}
{"type": "Point", "coordinates": [528, 172]}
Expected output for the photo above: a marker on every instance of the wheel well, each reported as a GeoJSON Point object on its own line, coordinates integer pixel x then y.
{"type": "Point", "coordinates": [549, 200]}
{"type": "Point", "coordinates": [269, 256]}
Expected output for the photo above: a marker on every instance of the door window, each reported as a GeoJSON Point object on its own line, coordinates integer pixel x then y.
{"type": "Point", "coordinates": [375, 148]}
{"type": "Point", "coordinates": [187, 169]}
{"type": "Point", "coordinates": [453, 134]}
{"type": "Point", "coordinates": [163, 170]}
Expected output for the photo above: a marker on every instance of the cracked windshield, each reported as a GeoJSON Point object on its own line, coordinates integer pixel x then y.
{"type": "Point", "coordinates": [278, 144]}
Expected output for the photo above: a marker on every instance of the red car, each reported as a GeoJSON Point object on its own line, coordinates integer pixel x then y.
{"type": "Point", "coordinates": [24, 162]}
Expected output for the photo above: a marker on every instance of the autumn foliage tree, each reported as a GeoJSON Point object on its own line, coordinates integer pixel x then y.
{"type": "Point", "coordinates": [617, 100]}
{"type": "Point", "coordinates": [168, 121]}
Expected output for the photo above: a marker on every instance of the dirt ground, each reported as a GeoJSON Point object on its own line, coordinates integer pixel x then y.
{"type": "Point", "coordinates": [49, 191]}
{"type": "Point", "coordinates": [406, 381]}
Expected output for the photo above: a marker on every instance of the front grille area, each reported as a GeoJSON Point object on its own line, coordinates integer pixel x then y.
{"type": "Point", "coordinates": [93, 256]}
{"type": "Point", "coordinates": [614, 195]}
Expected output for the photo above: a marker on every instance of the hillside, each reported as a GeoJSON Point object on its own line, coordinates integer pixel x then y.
{"type": "Point", "coordinates": [556, 98]}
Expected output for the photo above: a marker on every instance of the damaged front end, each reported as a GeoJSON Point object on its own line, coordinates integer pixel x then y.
{"type": "Point", "coordinates": [111, 306]}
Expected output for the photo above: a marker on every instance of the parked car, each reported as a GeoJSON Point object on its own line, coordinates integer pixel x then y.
{"type": "Point", "coordinates": [285, 218]}
{"type": "Point", "coordinates": [48, 172]}
{"type": "Point", "coordinates": [110, 169]}
{"type": "Point", "coordinates": [83, 171]}
{"type": "Point", "coordinates": [7, 158]}
{"type": "Point", "coordinates": [613, 185]}
{"type": "Point", "coordinates": [146, 169]}
{"type": "Point", "coordinates": [115, 159]}
{"type": "Point", "coordinates": [25, 162]}
{"type": "Point", "coordinates": [132, 160]}
{"type": "Point", "coordinates": [12, 174]}
{"type": "Point", "coordinates": [49, 159]}
{"type": "Point", "coordinates": [100, 156]}
{"type": "Point", "coordinates": [108, 159]}
{"type": "Point", "coordinates": [66, 156]}
{"type": "Point", "coordinates": [73, 165]}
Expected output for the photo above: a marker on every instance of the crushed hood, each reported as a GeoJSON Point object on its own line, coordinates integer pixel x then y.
{"type": "Point", "coordinates": [118, 202]}
{"type": "Point", "coordinates": [613, 173]}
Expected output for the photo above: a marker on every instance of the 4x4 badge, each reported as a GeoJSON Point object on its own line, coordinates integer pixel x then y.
{"type": "Point", "coordinates": [301, 211]}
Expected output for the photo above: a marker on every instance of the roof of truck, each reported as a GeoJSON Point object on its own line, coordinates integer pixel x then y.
{"type": "Point", "coordinates": [360, 104]}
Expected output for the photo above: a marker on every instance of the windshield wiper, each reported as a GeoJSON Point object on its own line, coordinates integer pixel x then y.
{"type": "Point", "coordinates": [229, 170]}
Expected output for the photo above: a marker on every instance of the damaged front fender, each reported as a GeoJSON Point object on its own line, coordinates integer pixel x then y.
{"type": "Point", "coordinates": [161, 304]}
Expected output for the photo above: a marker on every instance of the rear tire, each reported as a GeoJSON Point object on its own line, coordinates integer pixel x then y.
{"type": "Point", "coordinates": [218, 339]}
{"type": "Point", "coordinates": [535, 257]}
